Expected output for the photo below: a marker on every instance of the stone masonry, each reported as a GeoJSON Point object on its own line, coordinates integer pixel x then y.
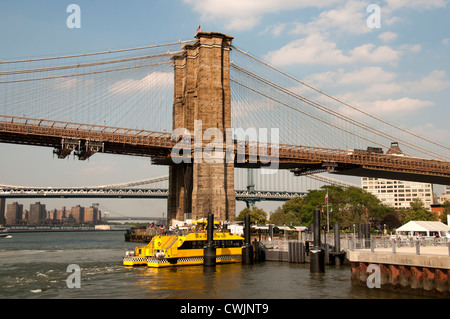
{"type": "Point", "coordinates": [202, 93]}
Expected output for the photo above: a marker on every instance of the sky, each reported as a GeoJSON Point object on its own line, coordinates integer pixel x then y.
{"type": "Point", "coordinates": [398, 70]}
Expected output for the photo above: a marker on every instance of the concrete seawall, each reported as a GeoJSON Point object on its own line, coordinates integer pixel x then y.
{"type": "Point", "coordinates": [427, 273]}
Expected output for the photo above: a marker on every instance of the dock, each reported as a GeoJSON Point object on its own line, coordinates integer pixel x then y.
{"type": "Point", "coordinates": [418, 267]}
{"type": "Point", "coordinates": [410, 266]}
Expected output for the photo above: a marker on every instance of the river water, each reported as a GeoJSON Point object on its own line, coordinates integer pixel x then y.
{"type": "Point", "coordinates": [34, 265]}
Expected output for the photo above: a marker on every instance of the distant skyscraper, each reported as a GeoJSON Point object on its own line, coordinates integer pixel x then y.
{"type": "Point", "coordinates": [14, 214]}
{"type": "Point", "coordinates": [78, 213]}
{"type": "Point", "coordinates": [37, 214]}
{"type": "Point", "coordinates": [90, 215]}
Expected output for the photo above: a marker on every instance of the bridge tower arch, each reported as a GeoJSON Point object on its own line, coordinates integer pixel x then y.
{"type": "Point", "coordinates": [202, 93]}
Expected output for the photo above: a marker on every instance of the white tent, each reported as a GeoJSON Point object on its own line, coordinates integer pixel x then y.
{"type": "Point", "coordinates": [424, 228]}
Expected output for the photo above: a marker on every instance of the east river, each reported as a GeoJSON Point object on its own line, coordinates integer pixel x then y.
{"type": "Point", "coordinates": [35, 265]}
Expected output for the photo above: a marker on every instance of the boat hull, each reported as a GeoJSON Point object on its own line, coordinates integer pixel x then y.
{"type": "Point", "coordinates": [185, 250]}
{"type": "Point", "coordinates": [175, 262]}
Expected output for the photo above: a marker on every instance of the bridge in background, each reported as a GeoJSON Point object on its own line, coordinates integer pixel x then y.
{"type": "Point", "coordinates": [253, 192]}
{"type": "Point", "coordinates": [136, 193]}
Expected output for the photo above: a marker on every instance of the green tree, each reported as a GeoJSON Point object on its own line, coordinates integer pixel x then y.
{"type": "Point", "coordinates": [257, 215]}
{"type": "Point", "coordinates": [417, 211]}
{"type": "Point", "coordinates": [446, 208]}
{"type": "Point", "coordinates": [362, 207]}
{"type": "Point", "coordinates": [290, 213]}
{"type": "Point", "coordinates": [348, 206]}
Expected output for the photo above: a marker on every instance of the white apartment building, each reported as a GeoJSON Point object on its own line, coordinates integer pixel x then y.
{"type": "Point", "coordinates": [447, 189]}
{"type": "Point", "coordinates": [398, 194]}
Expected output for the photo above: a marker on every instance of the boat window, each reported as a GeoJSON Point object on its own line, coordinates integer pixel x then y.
{"type": "Point", "coordinates": [194, 244]}
{"type": "Point", "coordinates": [199, 244]}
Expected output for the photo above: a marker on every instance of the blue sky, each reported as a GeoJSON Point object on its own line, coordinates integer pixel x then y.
{"type": "Point", "coordinates": [400, 71]}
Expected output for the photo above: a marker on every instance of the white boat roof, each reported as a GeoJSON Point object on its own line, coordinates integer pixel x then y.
{"type": "Point", "coordinates": [298, 228]}
{"type": "Point", "coordinates": [423, 226]}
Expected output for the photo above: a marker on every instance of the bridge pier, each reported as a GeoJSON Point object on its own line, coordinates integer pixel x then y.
{"type": "Point", "coordinates": [202, 101]}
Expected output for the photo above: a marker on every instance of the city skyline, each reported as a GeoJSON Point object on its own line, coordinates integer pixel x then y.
{"type": "Point", "coordinates": [39, 214]}
{"type": "Point", "coordinates": [398, 71]}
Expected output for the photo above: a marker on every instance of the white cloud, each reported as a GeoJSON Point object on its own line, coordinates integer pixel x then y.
{"type": "Point", "coordinates": [416, 4]}
{"type": "Point", "coordinates": [387, 36]}
{"type": "Point", "coordinates": [364, 76]}
{"type": "Point", "coordinates": [404, 106]}
{"type": "Point", "coordinates": [433, 82]}
{"type": "Point", "coordinates": [382, 84]}
{"type": "Point", "coordinates": [246, 14]}
{"type": "Point", "coordinates": [391, 9]}
{"type": "Point", "coordinates": [371, 54]}
{"type": "Point", "coordinates": [275, 29]}
{"type": "Point", "coordinates": [316, 49]}
{"type": "Point", "coordinates": [150, 81]}
{"type": "Point", "coordinates": [446, 41]}
{"type": "Point", "coordinates": [349, 18]}
{"type": "Point", "coordinates": [411, 47]}
{"type": "Point", "coordinates": [312, 49]}
{"type": "Point", "coordinates": [379, 92]}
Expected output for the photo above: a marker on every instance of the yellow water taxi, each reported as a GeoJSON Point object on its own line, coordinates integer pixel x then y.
{"type": "Point", "coordinates": [188, 249]}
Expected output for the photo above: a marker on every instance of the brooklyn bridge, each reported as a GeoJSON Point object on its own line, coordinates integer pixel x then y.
{"type": "Point", "coordinates": [203, 107]}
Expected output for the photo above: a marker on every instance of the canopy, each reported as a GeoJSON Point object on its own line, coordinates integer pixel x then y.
{"type": "Point", "coordinates": [292, 228]}
{"type": "Point", "coordinates": [423, 226]}
{"type": "Point", "coordinates": [204, 221]}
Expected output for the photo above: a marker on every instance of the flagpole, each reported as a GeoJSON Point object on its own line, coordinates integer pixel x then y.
{"type": "Point", "coordinates": [328, 216]}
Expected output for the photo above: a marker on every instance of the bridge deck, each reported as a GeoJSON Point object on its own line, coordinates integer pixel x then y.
{"type": "Point", "coordinates": [87, 139]}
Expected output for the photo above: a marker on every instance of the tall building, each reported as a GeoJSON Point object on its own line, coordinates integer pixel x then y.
{"type": "Point", "coordinates": [443, 198]}
{"type": "Point", "coordinates": [2, 211]}
{"type": "Point", "coordinates": [37, 214]}
{"type": "Point", "coordinates": [14, 213]}
{"type": "Point", "coordinates": [77, 212]}
{"type": "Point", "coordinates": [60, 214]}
{"type": "Point", "coordinates": [398, 194]}
{"type": "Point", "coordinates": [90, 215]}
{"type": "Point", "coordinates": [447, 189]}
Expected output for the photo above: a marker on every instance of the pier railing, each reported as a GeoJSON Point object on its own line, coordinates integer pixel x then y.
{"type": "Point", "coordinates": [423, 245]}
{"type": "Point", "coordinates": [282, 243]}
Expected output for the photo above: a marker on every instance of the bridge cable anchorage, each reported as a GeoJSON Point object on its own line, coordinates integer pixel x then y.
{"type": "Point", "coordinates": [338, 100]}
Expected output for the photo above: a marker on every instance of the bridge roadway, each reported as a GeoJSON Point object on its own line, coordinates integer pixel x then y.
{"type": "Point", "coordinates": [141, 193]}
{"type": "Point", "coordinates": [85, 140]}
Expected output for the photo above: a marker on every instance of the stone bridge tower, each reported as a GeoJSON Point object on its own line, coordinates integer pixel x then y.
{"type": "Point", "coordinates": [202, 93]}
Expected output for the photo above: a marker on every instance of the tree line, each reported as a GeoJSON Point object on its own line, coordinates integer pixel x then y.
{"type": "Point", "coordinates": [346, 206]}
